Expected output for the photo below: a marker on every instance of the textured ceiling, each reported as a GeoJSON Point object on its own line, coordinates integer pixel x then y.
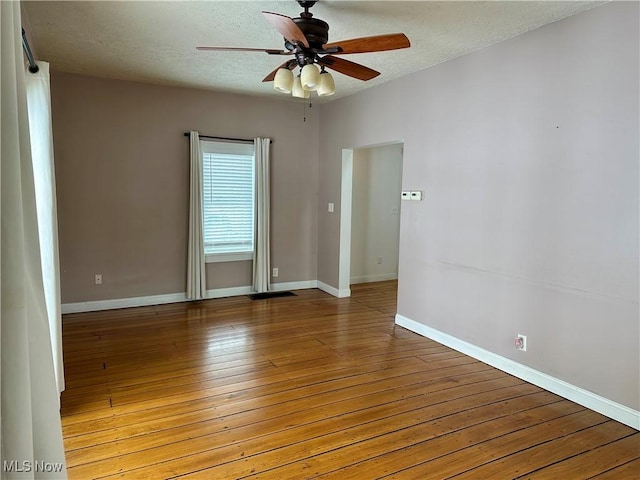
{"type": "Point", "coordinates": [155, 42]}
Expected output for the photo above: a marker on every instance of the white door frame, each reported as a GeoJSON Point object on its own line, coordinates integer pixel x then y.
{"type": "Point", "coordinates": [344, 265]}
{"type": "Point", "coordinates": [346, 194]}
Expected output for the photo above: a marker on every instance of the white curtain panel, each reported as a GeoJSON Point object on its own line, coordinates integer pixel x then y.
{"type": "Point", "coordinates": [261, 255]}
{"type": "Point", "coordinates": [196, 274]}
{"type": "Point", "coordinates": [39, 109]}
{"type": "Point", "coordinates": [29, 414]}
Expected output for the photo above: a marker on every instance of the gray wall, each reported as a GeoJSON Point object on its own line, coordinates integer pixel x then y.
{"type": "Point", "coordinates": [375, 214]}
{"type": "Point", "coordinates": [122, 182]}
{"type": "Point", "coordinates": [528, 155]}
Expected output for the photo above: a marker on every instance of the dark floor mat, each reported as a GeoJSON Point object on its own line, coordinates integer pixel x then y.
{"type": "Point", "coordinates": [265, 295]}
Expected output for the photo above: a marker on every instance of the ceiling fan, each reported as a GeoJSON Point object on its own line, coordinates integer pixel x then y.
{"type": "Point", "coordinates": [306, 39]}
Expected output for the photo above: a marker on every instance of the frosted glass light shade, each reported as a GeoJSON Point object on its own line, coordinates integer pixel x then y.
{"type": "Point", "coordinates": [283, 81]}
{"type": "Point", "coordinates": [310, 77]}
{"type": "Point", "coordinates": [297, 90]}
{"type": "Point", "coordinates": [327, 85]}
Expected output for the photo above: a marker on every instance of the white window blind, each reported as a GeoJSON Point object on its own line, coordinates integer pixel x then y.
{"type": "Point", "coordinates": [228, 198]}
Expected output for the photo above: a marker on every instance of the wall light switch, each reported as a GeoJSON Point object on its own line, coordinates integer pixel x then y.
{"type": "Point", "coordinates": [406, 195]}
{"type": "Point", "coordinates": [330, 208]}
{"type": "Point", "coordinates": [416, 195]}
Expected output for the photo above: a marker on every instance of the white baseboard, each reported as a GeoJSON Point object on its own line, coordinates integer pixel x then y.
{"type": "Point", "coordinates": [229, 292]}
{"type": "Point", "coordinates": [588, 399]}
{"type": "Point", "coordinates": [281, 287]}
{"type": "Point", "coordinates": [97, 305]}
{"type": "Point", "coordinates": [374, 278]}
{"type": "Point", "coordinates": [346, 292]}
{"type": "Point", "coordinates": [113, 304]}
{"type": "Point", "coordinates": [275, 287]}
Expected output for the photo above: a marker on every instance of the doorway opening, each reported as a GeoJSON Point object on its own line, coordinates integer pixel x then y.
{"type": "Point", "coordinates": [370, 214]}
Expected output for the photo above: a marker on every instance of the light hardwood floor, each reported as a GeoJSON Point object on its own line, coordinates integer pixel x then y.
{"type": "Point", "coordinates": [311, 386]}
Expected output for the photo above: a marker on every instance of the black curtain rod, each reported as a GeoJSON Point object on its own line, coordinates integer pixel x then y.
{"type": "Point", "coordinates": [33, 68]}
{"type": "Point", "coordinates": [244, 140]}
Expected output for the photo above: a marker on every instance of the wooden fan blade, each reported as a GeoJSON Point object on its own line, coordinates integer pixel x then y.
{"type": "Point", "coordinates": [288, 64]}
{"type": "Point", "coordinates": [270, 51]}
{"type": "Point", "coordinates": [287, 28]}
{"type": "Point", "coordinates": [376, 43]}
{"type": "Point", "coordinates": [346, 67]}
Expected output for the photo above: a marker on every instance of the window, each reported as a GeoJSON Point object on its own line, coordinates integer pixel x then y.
{"type": "Point", "coordinates": [228, 172]}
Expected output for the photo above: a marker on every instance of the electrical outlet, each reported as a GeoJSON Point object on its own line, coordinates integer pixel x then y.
{"type": "Point", "coordinates": [521, 342]}
{"type": "Point", "coordinates": [275, 272]}
{"type": "Point", "coordinates": [98, 279]}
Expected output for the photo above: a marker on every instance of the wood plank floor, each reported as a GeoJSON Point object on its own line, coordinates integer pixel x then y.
{"type": "Point", "coordinates": [311, 386]}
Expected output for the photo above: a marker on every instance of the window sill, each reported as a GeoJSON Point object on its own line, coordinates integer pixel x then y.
{"type": "Point", "coordinates": [228, 257]}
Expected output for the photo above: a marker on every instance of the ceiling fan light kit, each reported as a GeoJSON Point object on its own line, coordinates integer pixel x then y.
{"type": "Point", "coordinates": [283, 81]}
{"type": "Point", "coordinates": [306, 38]}
{"type": "Point", "coordinates": [310, 77]}
{"type": "Point", "coordinates": [297, 90]}
{"type": "Point", "coordinates": [327, 85]}
{"type": "Point", "coordinates": [308, 81]}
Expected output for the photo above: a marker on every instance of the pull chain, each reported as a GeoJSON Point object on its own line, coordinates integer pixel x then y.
{"type": "Point", "coordinates": [304, 111]}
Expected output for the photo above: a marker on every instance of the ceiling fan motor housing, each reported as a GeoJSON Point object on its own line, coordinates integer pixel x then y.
{"type": "Point", "coordinates": [315, 30]}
